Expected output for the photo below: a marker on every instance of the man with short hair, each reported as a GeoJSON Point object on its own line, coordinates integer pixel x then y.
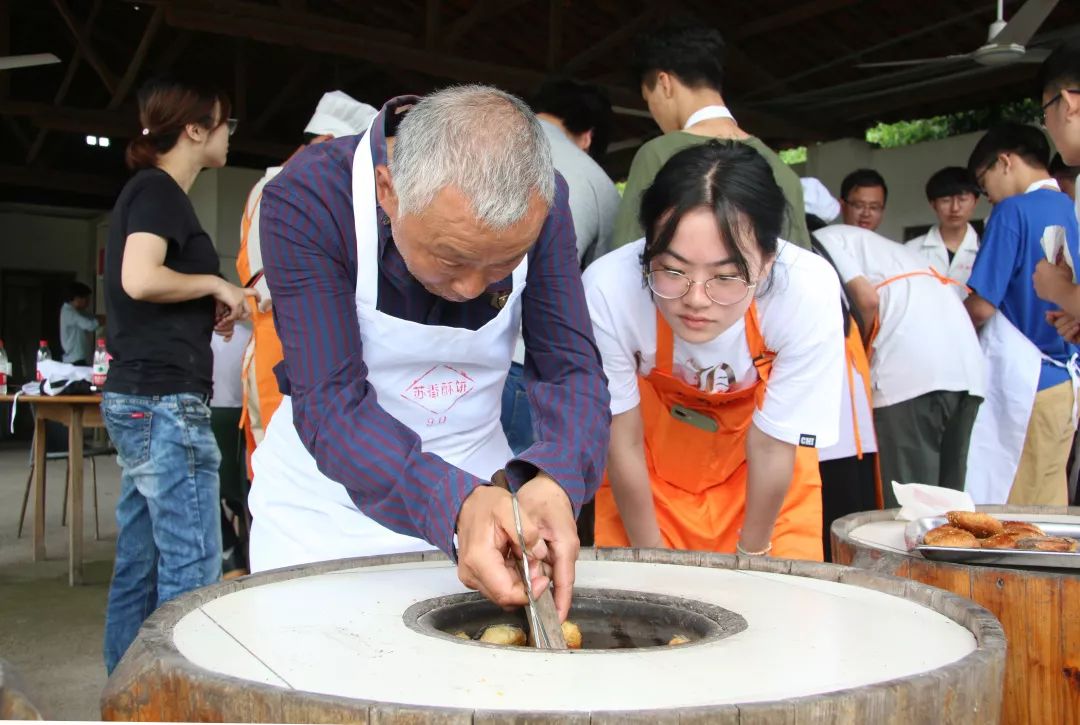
{"type": "Point", "coordinates": [951, 244]}
{"type": "Point", "coordinates": [77, 325]}
{"type": "Point", "coordinates": [680, 68]}
{"type": "Point", "coordinates": [863, 194]}
{"type": "Point", "coordinates": [402, 263]}
{"type": "Point", "coordinates": [1031, 221]}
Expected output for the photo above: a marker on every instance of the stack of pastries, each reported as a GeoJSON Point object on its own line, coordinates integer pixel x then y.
{"type": "Point", "coordinates": [974, 530]}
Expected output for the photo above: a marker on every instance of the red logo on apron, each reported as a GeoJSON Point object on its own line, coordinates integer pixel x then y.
{"type": "Point", "coordinates": [439, 389]}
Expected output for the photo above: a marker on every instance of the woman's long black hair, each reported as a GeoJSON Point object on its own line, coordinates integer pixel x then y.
{"type": "Point", "coordinates": [729, 178]}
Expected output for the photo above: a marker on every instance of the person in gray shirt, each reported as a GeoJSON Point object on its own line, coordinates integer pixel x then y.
{"type": "Point", "coordinates": [577, 119]}
{"type": "Point", "coordinates": [77, 325]}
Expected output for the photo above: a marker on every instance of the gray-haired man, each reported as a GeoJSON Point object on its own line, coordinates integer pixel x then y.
{"type": "Point", "coordinates": [401, 263]}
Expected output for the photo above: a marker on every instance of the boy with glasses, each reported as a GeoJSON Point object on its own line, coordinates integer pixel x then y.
{"type": "Point", "coordinates": [951, 244]}
{"type": "Point", "coordinates": [1032, 221]}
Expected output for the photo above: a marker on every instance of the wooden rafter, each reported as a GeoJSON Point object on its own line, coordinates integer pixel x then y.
{"type": "Point", "coordinates": [299, 78]}
{"type": "Point", "coordinates": [598, 50]}
{"type": "Point", "coordinates": [341, 40]}
{"type": "Point", "coordinates": [173, 52]}
{"type": "Point", "coordinates": [137, 60]}
{"type": "Point", "coordinates": [481, 11]}
{"type": "Point", "coordinates": [555, 33]}
{"type": "Point", "coordinates": [799, 12]}
{"type": "Point", "coordinates": [117, 124]}
{"type": "Point", "coordinates": [82, 40]}
{"type": "Point", "coordinates": [432, 14]}
{"type": "Point", "coordinates": [65, 85]}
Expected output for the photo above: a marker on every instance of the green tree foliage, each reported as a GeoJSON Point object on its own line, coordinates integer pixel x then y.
{"type": "Point", "coordinates": [905, 133]}
{"type": "Point", "coordinates": [793, 156]}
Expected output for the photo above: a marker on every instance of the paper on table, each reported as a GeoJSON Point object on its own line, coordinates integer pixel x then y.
{"type": "Point", "coordinates": [917, 500]}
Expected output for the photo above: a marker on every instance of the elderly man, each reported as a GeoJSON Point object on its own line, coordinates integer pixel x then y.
{"type": "Point", "coordinates": [401, 263]}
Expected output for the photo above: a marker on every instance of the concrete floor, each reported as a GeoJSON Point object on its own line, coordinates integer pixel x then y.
{"type": "Point", "coordinates": [50, 632]}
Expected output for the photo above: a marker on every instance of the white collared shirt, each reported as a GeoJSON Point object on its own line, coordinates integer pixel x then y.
{"type": "Point", "coordinates": [931, 247]}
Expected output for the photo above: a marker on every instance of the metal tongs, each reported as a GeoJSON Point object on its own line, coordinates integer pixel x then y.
{"type": "Point", "coordinates": [544, 625]}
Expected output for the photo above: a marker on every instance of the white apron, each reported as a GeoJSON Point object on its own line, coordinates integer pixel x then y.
{"type": "Point", "coordinates": [1013, 366]}
{"type": "Point", "coordinates": [444, 383]}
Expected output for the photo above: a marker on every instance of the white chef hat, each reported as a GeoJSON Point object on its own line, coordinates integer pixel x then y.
{"type": "Point", "coordinates": [818, 201]}
{"type": "Point", "coordinates": [340, 114]}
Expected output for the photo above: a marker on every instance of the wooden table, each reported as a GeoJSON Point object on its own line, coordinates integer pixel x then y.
{"type": "Point", "coordinates": [1038, 608]}
{"type": "Point", "coordinates": [77, 412]}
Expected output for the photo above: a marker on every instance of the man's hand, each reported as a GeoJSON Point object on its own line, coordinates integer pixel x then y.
{"type": "Point", "coordinates": [1067, 326]}
{"type": "Point", "coordinates": [1052, 281]}
{"type": "Point", "coordinates": [489, 555]}
{"type": "Point", "coordinates": [545, 503]}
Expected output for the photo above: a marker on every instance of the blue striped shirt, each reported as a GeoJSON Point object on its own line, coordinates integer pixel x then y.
{"type": "Point", "coordinates": [308, 240]}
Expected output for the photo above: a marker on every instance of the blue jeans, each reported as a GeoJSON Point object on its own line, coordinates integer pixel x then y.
{"type": "Point", "coordinates": [516, 417]}
{"type": "Point", "coordinates": [168, 514]}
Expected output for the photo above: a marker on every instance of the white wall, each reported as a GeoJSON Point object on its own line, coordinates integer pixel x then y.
{"type": "Point", "coordinates": [218, 196]}
{"type": "Point", "coordinates": [39, 242]}
{"type": "Point", "coordinates": [906, 170]}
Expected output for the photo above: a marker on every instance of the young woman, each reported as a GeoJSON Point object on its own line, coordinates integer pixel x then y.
{"type": "Point", "coordinates": [164, 299]}
{"type": "Point", "coordinates": [724, 351]}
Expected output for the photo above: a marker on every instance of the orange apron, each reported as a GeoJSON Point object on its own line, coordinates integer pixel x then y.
{"type": "Point", "coordinates": [857, 363]}
{"type": "Point", "coordinates": [698, 477]}
{"type": "Point", "coordinates": [261, 394]}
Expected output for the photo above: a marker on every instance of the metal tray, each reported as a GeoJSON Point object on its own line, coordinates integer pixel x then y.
{"type": "Point", "coordinates": [915, 530]}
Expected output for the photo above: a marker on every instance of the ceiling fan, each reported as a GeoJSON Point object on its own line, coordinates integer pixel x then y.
{"type": "Point", "coordinates": [1005, 43]}
{"type": "Point", "coordinates": [27, 61]}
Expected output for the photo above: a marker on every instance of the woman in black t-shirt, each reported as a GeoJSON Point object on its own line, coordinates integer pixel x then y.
{"type": "Point", "coordinates": [164, 300]}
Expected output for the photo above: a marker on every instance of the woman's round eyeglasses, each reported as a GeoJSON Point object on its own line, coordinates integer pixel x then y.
{"type": "Point", "coordinates": [723, 290]}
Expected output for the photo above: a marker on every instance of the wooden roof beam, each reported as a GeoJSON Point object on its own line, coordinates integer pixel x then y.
{"type": "Point", "coordinates": [117, 124]}
{"type": "Point", "coordinates": [555, 33]}
{"type": "Point", "coordinates": [342, 41]}
{"type": "Point", "coordinates": [137, 60]}
{"type": "Point", "coordinates": [620, 36]}
{"type": "Point", "coordinates": [799, 12]}
{"type": "Point", "coordinates": [65, 85]}
{"type": "Point", "coordinates": [481, 11]}
{"type": "Point", "coordinates": [82, 40]}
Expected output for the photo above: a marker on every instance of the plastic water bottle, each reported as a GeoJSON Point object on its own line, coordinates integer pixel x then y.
{"type": "Point", "coordinates": [5, 369]}
{"type": "Point", "coordinates": [43, 354]}
{"type": "Point", "coordinates": [101, 365]}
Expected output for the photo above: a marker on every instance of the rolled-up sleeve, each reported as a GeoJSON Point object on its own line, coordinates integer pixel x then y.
{"type": "Point", "coordinates": [564, 377]}
{"type": "Point", "coordinates": [306, 231]}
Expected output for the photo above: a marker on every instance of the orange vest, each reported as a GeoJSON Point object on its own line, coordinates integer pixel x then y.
{"type": "Point", "coordinates": [261, 394]}
{"type": "Point", "coordinates": [698, 477]}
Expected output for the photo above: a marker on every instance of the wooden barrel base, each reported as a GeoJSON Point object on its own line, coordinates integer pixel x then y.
{"type": "Point", "coordinates": [1038, 609]}
{"type": "Point", "coordinates": [329, 642]}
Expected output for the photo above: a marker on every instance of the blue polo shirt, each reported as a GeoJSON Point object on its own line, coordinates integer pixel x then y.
{"type": "Point", "coordinates": [1011, 247]}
